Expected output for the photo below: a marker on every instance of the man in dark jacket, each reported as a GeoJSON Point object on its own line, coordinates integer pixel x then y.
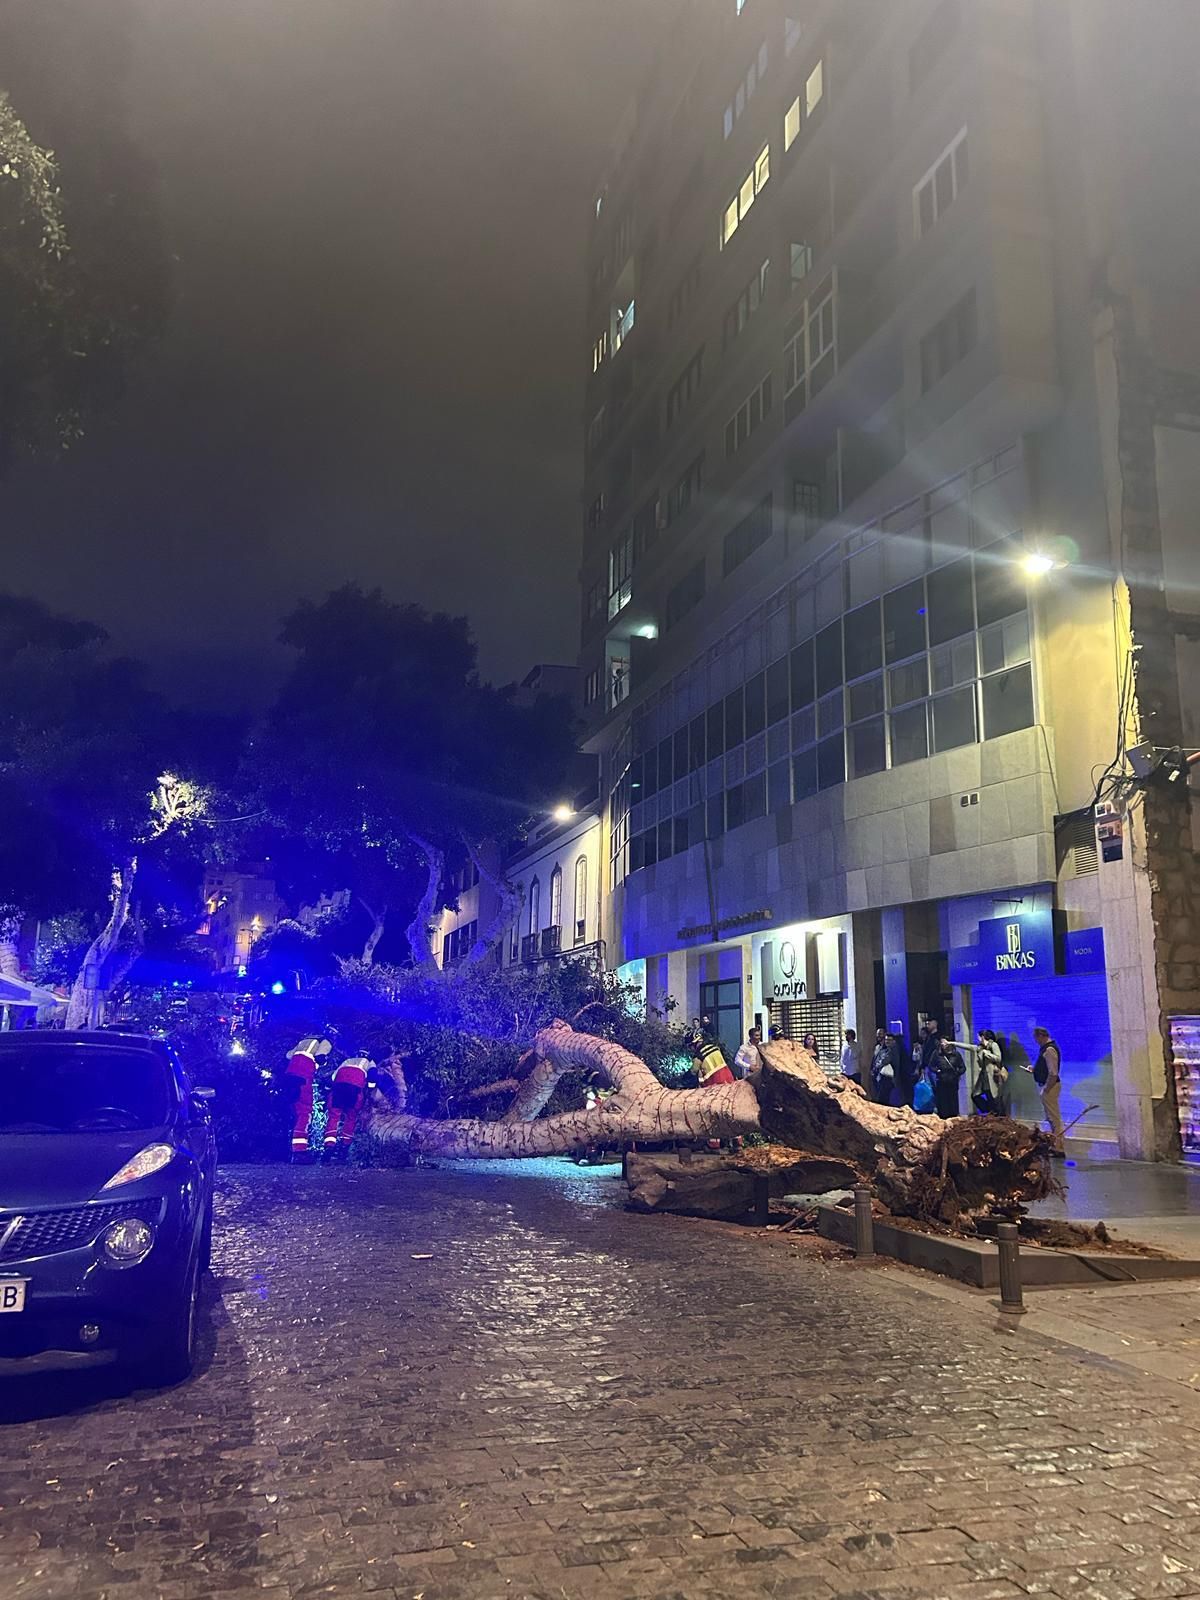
{"type": "Point", "coordinates": [947, 1069]}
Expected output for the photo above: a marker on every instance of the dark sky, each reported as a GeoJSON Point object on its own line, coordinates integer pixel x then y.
{"type": "Point", "coordinates": [374, 359]}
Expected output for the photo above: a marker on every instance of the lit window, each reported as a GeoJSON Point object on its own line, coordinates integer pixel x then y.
{"type": "Point", "coordinates": [741, 6]}
{"type": "Point", "coordinates": [623, 321]}
{"type": "Point", "coordinates": [801, 262]}
{"type": "Point", "coordinates": [599, 352]}
{"type": "Point", "coordinates": [556, 898]}
{"type": "Point", "coordinates": [581, 877]}
{"type": "Point", "coordinates": [814, 88]}
{"type": "Point", "coordinates": [755, 179]}
{"type": "Point", "coordinates": [791, 124]}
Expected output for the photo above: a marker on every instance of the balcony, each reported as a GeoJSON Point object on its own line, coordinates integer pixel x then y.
{"type": "Point", "coordinates": [551, 942]}
{"type": "Point", "coordinates": [547, 946]}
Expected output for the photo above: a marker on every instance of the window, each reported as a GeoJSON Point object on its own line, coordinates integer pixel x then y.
{"type": "Point", "coordinates": [810, 356]}
{"type": "Point", "coordinates": [648, 523]}
{"type": "Point", "coordinates": [910, 734]}
{"type": "Point", "coordinates": [581, 878]}
{"type": "Point", "coordinates": [868, 748]}
{"type": "Point", "coordinates": [904, 618]}
{"type": "Point", "coordinates": [804, 107]}
{"type": "Point", "coordinates": [939, 188]}
{"type": "Point", "coordinates": [555, 898]}
{"type": "Point", "coordinates": [686, 594]}
{"type": "Point", "coordinates": [535, 892]}
{"type": "Point", "coordinates": [595, 600]}
{"type": "Point", "coordinates": [1007, 702]}
{"type": "Point", "coordinates": [685, 386]}
{"type": "Point", "coordinates": [748, 418]}
{"type": "Point", "coordinates": [1004, 644]}
{"type": "Point", "coordinates": [623, 320]}
{"type": "Point", "coordinates": [864, 646]}
{"type": "Point", "coordinates": [600, 352]}
{"type": "Point", "coordinates": [745, 91]}
{"type": "Point", "coordinates": [591, 687]}
{"type": "Point", "coordinates": [948, 342]}
{"type": "Point", "coordinates": [951, 603]}
{"type": "Point", "coordinates": [746, 304]}
{"type": "Point", "coordinates": [806, 508]}
{"type": "Point", "coordinates": [686, 490]}
{"type": "Point", "coordinates": [954, 719]}
{"type": "Point", "coordinates": [752, 186]}
{"type": "Point", "coordinates": [595, 516]}
{"type": "Point", "coordinates": [620, 569]}
{"type": "Point", "coordinates": [801, 263]}
{"type": "Point", "coordinates": [748, 536]}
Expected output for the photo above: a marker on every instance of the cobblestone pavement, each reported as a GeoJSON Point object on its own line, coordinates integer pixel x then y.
{"type": "Point", "coordinates": [479, 1383]}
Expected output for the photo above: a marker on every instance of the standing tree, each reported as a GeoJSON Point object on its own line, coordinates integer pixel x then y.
{"type": "Point", "coordinates": [387, 754]}
{"type": "Point", "coordinates": [82, 266]}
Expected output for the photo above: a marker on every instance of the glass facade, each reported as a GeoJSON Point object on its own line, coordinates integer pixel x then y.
{"type": "Point", "coordinates": [823, 684]}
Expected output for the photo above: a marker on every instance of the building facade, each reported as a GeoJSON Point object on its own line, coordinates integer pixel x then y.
{"type": "Point", "coordinates": [240, 904]}
{"type": "Point", "coordinates": [889, 531]}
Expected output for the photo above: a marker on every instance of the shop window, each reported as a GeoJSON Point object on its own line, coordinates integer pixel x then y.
{"type": "Point", "coordinates": [779, 787]}
{"type": "Point", "coordinates": [951, 601]}
{"type": "Point", "coordinates": [804, 774]}
{"type": "Point", "coordinates": [802, 675]}
{"type": "Point", "coordinates": [1007, 702]}
{"type": "Point", "coordinates": [954, 722]}
{"type": "Point", "coordinates": [908, 682]}
{"type": "Point", "coordinates": [831, 762]}
{"type": "Point", "coordinates": [829, 658]}
{"type": "Point", "coordinates": [1004, 644]}
{"type": "Point", "coordinates": [910, 734]}
{"type": "Point", "coordinates": [864, 646]}
{"type": "Point", "coordinates": [904, 620]}
{"type": "Point", "coordinates": [868, 748]}
{"type": "Point", "coordinates": [953, 663]}
{"type": "Point", "coordinates": [777, 691]}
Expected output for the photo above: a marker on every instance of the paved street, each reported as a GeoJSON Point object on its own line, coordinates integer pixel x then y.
{"type": "Point", "coordinates": [478, 1383]}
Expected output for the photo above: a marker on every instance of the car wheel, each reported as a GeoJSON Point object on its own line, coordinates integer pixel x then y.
{"type": "Point", "coordinates": [175, 1353]}
{"type": "Point", "coordinates": [206, 1233]}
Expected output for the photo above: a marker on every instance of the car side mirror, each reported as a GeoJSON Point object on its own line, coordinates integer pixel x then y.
{"type": "Point", "coordinates": [205, 1095]}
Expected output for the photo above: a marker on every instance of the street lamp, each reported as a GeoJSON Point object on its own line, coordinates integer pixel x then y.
{"type": "Point", "coordinates": [563, 813]}
{"type": "Point", "coordinates": [1037, 564]}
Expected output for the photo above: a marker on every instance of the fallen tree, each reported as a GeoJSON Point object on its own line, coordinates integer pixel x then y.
{"type": "Point", "coordinates": [919, 1166]}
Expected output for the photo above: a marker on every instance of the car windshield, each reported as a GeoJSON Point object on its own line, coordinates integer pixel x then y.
{"type": "Point", "coordinates": [73, 1088]}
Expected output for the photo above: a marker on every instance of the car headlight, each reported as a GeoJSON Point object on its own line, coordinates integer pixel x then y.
{"type": "Point", "coordinates": [127, 1242]}
{"type": "Point", "coordinates": [152, 1159]}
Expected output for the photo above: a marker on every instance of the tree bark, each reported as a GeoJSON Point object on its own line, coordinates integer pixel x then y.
{"type": "Point", "coordinates": [378, 924]}
{"type": "Point", "coordinates": [641, 1110]}
{"type": "Point", "coordinates": [10, 934]}
{"type": "Point", "coordinates": [420, 929]}
{"type": "Point", "coordinates": [919, 1166]}
{"type": "Point", "coordinates": [510, 907]}
{"type": "Point", "coordinates": [87, 1004]}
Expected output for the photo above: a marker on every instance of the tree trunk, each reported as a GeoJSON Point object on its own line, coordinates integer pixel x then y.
{"type": "Point", "coordinates": [724, 1186]}
{"type": "Point", "coordinates": [378, 924]}
{"type": "Point", "coordinates": [641, 1110]}
{"type": "Point", "coordinates": [421, 927]}
{"type": "Point", "coordinates": [510, 907]}
{"type": "Point", "coordinates": [919, 1166]}
{"type": "Point", "coordinates": [10, 934]}
{"type": "Point", "coordinates": [86, 1007]}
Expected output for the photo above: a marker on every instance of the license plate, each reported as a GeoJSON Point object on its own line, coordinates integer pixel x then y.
{"type": "Point", "coordinates": [12, 1294]}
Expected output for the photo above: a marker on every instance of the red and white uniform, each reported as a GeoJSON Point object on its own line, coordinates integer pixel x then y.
{"type": "Point", "coordinates": [298, 1083]}
{"type": "Point", "coordinates": [346, 1100]}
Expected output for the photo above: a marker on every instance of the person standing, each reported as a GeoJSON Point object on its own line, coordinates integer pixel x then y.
{"type": "Point", "coordinates": [1047, 1074]}
{"type": "Point", "coordinates": [991, 1076]}
{"type": "Point", "coordinates": [852, 1058]}
{"type": "Point", "coordinates": [809, 1043]}
{"type": "Point", "coordinates": [298, 1080]}
{"type": "Point", "coordinates": [883, 1068]}
{"type": "Point", "coordinates": [947, 1069]}
{"type": "Point", "coordinates": [748, 1059]}
{"type": "Point", "coordinates": [708, 1060]}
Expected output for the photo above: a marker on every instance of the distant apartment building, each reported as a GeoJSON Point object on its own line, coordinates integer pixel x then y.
{"type": "Point", "coordinates": [891, 540]}
{"type": "Point", "coordinates": [240, 904]}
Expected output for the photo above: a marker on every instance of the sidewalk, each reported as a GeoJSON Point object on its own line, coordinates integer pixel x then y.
{"type": "Point", "coordinates": [1155, 1203]}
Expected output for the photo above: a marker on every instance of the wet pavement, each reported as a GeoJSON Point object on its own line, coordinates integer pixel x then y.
{"type": "Point", "coordinates": [465, 1384]}
{"type": "Point", "coordinates": [1155, 1202]}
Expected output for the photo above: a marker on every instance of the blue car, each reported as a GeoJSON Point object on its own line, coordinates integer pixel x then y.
{"type": "Point", "coordinates": [107, 1161]}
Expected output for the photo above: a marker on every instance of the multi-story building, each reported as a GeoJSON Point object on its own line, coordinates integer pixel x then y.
{"type": "Point", "coordinates": [890, 540]}
{"type": "Point", "coordinates": [240, 904]}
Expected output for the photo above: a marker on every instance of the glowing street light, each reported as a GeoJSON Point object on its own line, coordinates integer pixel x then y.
{"type": "Point", "coordinates": [563, 813]}
{"type": "Point", "coordinates": [1037, 564]}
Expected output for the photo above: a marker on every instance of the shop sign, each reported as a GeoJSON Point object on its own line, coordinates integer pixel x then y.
{"type": "Point", "coordinates": [745, 919]}
{"type": "Point", "coordinates": [789, 963]}
{"type": "Point", "coordinates": [1083, 950]}
{"type": "Point", "coordinates": [1008, 947]}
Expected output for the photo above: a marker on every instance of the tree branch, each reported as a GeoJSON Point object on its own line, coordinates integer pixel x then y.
{"type": "Point", "coordinates": [420, 927]}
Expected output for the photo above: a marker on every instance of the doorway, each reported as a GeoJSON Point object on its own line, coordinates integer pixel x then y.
{"type": "Point", "coordinates": [722, 1001]}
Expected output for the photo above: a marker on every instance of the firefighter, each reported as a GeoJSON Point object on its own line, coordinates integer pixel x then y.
{"type": "Point", "coordinates": [345, 1102]}
{"type": "Point", "coordinates": [298, 1090]}
{"type": "Point", "coordinates": [708, 1060]}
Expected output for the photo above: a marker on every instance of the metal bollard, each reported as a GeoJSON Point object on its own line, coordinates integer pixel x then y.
{"type": "Point", "coordinates": [762, 1200]}
{"type": "Point", "coordinates": [1008, 1243]}
{"type": "Point", "coordinates": [864, 1226]}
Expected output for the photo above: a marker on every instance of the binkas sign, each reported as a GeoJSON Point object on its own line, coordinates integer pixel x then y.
{"type": "Point", "coordinates": [1009, 947]}
{"type": "Point", "coordinates": [1015, 959]}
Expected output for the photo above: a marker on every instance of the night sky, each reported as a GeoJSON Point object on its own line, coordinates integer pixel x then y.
{"type": "Point", "coordinates": [374, 361]}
